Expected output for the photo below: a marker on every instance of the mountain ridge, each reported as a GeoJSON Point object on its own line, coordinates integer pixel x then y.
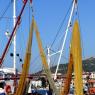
{"type": "Point", "coordinates": [88, 66]}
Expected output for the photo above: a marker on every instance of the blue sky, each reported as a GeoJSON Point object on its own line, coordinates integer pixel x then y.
{"type": "Point", "coordinates": [48, 15]}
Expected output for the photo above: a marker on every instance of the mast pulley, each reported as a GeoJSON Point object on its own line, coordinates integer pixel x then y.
{"type": "Point", "coordinates": [76, 1]}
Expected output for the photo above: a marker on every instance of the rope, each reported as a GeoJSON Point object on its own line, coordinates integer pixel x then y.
{"type": "Point", "coordinates": [60, 27]}
{"type": "Point", "coordinates": [6, 9]}
{"type": "Point", "coordinates": [6, 18]}
{"type": "Point", "coordinates": [38, 56]}
{"type": "Point", "coordinates": [80, 31]}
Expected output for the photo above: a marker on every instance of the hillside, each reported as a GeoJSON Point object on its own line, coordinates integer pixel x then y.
{"type": "Point", "coordinates": [88, 66]}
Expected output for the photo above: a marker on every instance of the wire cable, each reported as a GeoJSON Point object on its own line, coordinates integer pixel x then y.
{"type": "Point", "coordinates": [80, 31]}
{"type": "Point", "coordinates": [7, 18]}
{"type": "Point", "coordinates": [38, 56]}
{"type": "Point", "coordinates": [60, 27]}
{"type": "Point", "coordinates": [6, 9]}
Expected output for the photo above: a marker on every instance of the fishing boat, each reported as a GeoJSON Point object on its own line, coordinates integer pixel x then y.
{"type": "Point", "coordinates": [22, 83]}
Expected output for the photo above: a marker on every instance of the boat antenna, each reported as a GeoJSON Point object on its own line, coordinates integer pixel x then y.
{"type": "Point", "coordinates": [14, 21]}
{"type": "Point", "coordinates": [12, 34]}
